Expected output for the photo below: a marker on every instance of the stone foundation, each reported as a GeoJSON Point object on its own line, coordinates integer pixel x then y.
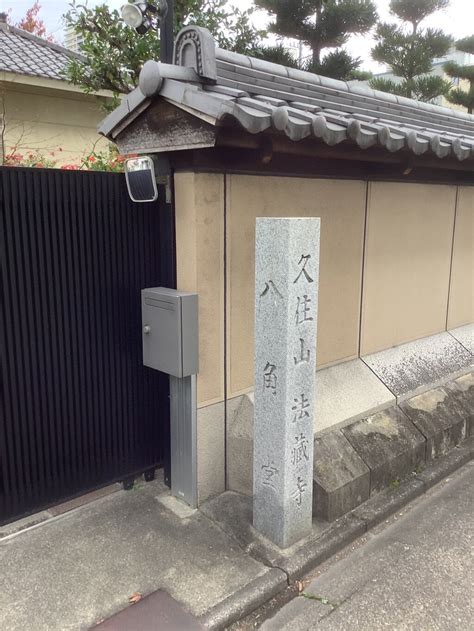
{"type": "Point", "coordinates": [341, 477]}
{"type": "Point", "coordinates": [368, 455]}
{"type": "Point", "coordinates": [364, 441]}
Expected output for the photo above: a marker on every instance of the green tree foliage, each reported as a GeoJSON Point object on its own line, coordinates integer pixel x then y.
{"type": "Point", "coordinates": [322, 25]}
{"type": "Point", "coordinates": [337, 64]}
{"type": "Point", "coordinates": [114, 53]}
{"type": "Point", "coordinates": [362, 75]}
{"type": "Point", "coordinates": [459, 96]}
{"type": "Point", "coordinates": [409, 50]}
{"type": "Point", "coordinates": [277, 54]}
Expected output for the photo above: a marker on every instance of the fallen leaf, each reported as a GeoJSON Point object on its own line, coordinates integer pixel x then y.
{"type": "Point", "coordinates": [135, 598]}
{"type": "Point", "coordinates": [300, 586]}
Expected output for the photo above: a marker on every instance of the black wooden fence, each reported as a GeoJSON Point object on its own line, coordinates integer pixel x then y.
{"type": "Point", "coordinates": [78, 409]}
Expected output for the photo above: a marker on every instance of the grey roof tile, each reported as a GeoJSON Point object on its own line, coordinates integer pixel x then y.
{"type": "Point", "coordinates": [241, 60]}
{"type": "Point", "coordinates": [262, 95]}
{"type": "Point", "coordinates": [26, 54]}
{"type": "Point", "coordinates": [220, 89]}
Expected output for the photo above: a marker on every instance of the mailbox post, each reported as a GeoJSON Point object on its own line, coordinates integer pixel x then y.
{"type": "Point", "coordinates": [170, 344]}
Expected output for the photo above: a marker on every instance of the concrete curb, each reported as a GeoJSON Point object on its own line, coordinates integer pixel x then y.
{"type": "Point", "coordinates": [245, 600]}
{"type": "Point", "coordinates": [375, 510]}
{"type": "Point", "coordinates": [343, 532]}
{"type": "Point", "coordinates": [442, 467]}
{"type": "Point", "coordinates": [381, 506]}
{"type": "Point", "coordinates": [340, 534]}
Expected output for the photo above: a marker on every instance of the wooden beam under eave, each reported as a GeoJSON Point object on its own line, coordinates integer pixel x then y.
{"type": "Point", "coordinates": [315, 148]}
{"type": "Point", "coordinates": [250, 162]}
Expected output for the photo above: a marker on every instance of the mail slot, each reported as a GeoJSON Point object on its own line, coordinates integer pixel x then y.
{"type": "Point", "coordinates": [170, 331]}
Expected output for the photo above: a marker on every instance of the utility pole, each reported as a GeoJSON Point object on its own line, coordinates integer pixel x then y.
{"type": "Point", "coordinates": [166, 34]}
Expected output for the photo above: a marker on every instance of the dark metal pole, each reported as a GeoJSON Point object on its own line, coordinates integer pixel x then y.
{"type": "Point", "coordinates": [166, 35]}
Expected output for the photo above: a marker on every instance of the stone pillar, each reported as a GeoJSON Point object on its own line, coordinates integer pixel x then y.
{"type": "Point", "coordinates": [287, 272]}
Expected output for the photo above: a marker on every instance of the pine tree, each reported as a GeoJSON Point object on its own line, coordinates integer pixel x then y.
{"type": "Point", "coordinates": [323, 24]}
{"type": "Point", "coordinates": [276, 54]}
{"type": "Point", "coordinates": [410, 50]}
{"type": "Point", "coordinates": [459, 96]}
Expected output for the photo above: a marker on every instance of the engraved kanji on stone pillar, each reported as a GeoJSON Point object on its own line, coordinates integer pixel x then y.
{"type": "Point", "coordinates": [286, 295]}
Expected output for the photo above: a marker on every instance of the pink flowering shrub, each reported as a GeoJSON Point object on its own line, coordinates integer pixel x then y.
{"type": "Point", "coordinates": [103, 161]}
{"type": "Point", "coordinates": [34, 159]}
{"type": "Point", "coordinates": [109, 160]}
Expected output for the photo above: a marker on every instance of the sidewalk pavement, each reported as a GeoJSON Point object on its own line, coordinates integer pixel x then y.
{"type": "Point", "coordinates": [417, 573]}
{"type": "Point", "coordinates": [74, 570]}
{"type": "Point", "coordinates": [79, 568]}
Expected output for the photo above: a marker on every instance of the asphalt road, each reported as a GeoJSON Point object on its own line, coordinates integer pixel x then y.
{"type": "Point", "coordinates": [415, 574]}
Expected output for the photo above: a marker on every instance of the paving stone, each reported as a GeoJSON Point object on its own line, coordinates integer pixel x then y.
{"type": "Point", "coordinates": [389, 444]}
{"type": "Point", "coordinates": [341, 478]}
{"type": "Point", "coordinates": [440, 417]}
{"type": "Point", "coordinates": [421, 365]}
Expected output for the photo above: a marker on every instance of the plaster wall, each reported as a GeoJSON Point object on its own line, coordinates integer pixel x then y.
{"type": "Point", "coordinates": [44, 120]}
{"type": "Point", "coordinates": [461, 296]}
{"type": "Point", "coordinates": [341, 206]}
{"type": "Point", "coordinates": [392, 258]}
{"type": "Point", "coordinates": [407, 263]}
{"type": "Point", "coordinates": [199, 204]}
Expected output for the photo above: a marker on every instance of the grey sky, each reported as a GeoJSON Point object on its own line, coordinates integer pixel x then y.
{"type": "Point", "coordinates": [458, 20]}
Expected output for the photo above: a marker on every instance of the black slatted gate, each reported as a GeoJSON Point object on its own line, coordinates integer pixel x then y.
{"type": "Point", "coordinates": [78, 409]}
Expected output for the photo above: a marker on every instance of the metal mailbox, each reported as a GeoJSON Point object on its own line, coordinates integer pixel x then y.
{"type": "Point", "coordinates": [170, 331]}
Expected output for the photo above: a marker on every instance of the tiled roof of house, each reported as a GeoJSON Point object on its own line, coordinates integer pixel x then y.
{"type": "Point", "coordinates": [25, 54]}
{"type": "Point", "coordinates": [264, 96]}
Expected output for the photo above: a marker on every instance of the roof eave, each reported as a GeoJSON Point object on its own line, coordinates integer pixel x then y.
{"type": "Point", "coordinates": [251, 98]}
{"type": "Point", "coordinates": [48, 83]}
